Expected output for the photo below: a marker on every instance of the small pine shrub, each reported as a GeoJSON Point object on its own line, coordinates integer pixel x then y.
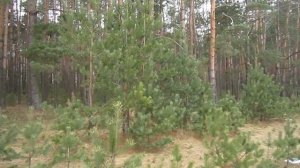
{"type": "Point", "coordinates": [232, 110]}
{"type": "Point", "coordinates": [287, 143]}
{"type": "Point", "coordinates": [67, 143]}
{"type": "Point", "coordinates": [67, 148]}
{"type": "Point", "coordinates": [198, 118]}
{"type": "Point", "coordinates": [261, 95]}
{"type": "Point", "coordinates": [69, 117]}
{"type": "Point", "coordinates": [8, 135]}
{"type": "Point", "coordinates": [114, 131]}
{"type": "Point", "coordinates": [134, 161]}
{"type": "Point", "coordinates": [98, 156]}
{"type": "Point", "coordinates": [225, 150]}
{"type": "Point", "coordinates": [176, 157]}
{"type": "Point", "coordinates": [31, 148]}
{"type": "Point", "coordinates": [150, 119]}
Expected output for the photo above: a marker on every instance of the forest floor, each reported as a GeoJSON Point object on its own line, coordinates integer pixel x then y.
{"type": "Point", "coordinates": [190, 144]}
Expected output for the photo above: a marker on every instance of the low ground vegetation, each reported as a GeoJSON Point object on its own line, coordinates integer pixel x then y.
{"type": "Point", "coordinates": [144, 121]}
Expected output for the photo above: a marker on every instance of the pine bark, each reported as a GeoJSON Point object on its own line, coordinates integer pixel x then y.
{"type": "Point", "coordinates": [192, 26]}
{"type": "Point", "coordinates": [286, 66]}
{"type": "Point", "coordinates": [182, 14]}
{"type": "Point", "coordinates": [5, 39]}
{"type": "Point", "coordinates": [212, 50]}
{"type": "Point", "coordinates": [91, 68]}
{"type": "Point", "coordinates": [278, 42]}
{"type": "Point", "coordinates": [18, 63]}
{"type": "Point", "coordinates": [2, 70]}
{"type": "Point", "coordinates": [46, 11]}
{"type": "Point", "coordinates": [296, 70]}
{"type": "Point", "coordinates": [35, 99]}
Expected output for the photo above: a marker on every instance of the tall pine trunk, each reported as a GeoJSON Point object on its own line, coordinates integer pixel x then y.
{"type": "Point", "coordinates": [296, 73]}
{"type": "Point", "coordinates": [2, 67]}
{"type": "Point", "coordinates": [192, 27]}
{"type": "Point", "coordinates": [91, 68]}
{"type": "Point", "coordinates": [182, 14]}
{"type": "Point", "coordinates": [212, 50]}
{"type": "Point", "coordinates": [35, 99]}
{"type": "Point", "coordinates": [286, 66]}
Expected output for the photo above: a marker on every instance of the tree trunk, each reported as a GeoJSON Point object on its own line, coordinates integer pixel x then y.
{"type": "Point", "coordinates": [212, 50]}
{"type": "Point", "coordinates": [182, 14]}
{"type": "Point", "coordinates": [286, 66]}
{"type": "Point", "coordinates": [297, 48]}
{"type": "Point", "coordinates": [5, 56]}
{"type": "Point", "coordinates": [90, 89]}
{"type": "Point", "coordinates": [192, 26]}
{"type": "Point", "coordinates": [18, 57]}
{"type": "Point", "coordinates": [5, 39]}
{"type": "Point", "coordinates": [33, 84]}
{"type": "Point", "coordinates": [90, 76]}
{"type": "Point", "coordinates": [46, 11]}
{"type": "Point", "coordinates": [278, 43]}
{"type": "Point", "coordinates": [2, 70]}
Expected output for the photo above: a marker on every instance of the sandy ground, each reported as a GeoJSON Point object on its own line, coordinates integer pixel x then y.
{"type": "Point", "coordinates": [190, 145]}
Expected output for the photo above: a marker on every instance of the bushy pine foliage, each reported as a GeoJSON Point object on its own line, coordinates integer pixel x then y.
{"type": "Point", "coordinates": [228, 107]}
{"type": "Point", "coordinates": [159, 87]}
{"type": "Point", "coordinates": [176, 157]}
{"type": "Point", "coordinates": [8, 136]}
{"type": "Point", "coordinates": [232, 110]}
{"type": "Point", "coordinates": [261, 95]}
{"type": "Point", "coordinates": [228, 151]}
{"type": "Point", "coordinates": [31, 147]}
{"type": "Point", "coordinates": [129, 51]}
{"type": "Point", "coordinates": [67, 142]}
{"type": "Point", "coordinates": [70, 118]}
{"type": "Point", "coordinates": [286, 143]}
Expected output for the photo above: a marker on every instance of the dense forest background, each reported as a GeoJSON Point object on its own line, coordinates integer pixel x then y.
{"type": "Point", "coordinates": [140, 70]}
{"type": "Point", "coordinates": [97, 51]}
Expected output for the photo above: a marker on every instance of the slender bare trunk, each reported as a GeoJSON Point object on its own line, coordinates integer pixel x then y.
{"type": "Point", "coordinates": [182, 14]}
{"type": "Point", "coordinates": [5, 39]}
{"type": "Point", "coordinates": [46, 11]}
{"type": "Point", "coordinates": [33, 84]}
{"type": "Point", "coordinates": [2, 69]}
{"type": "Point", "coordinates": [278, 43]}
{"type": "Point", "coordinates": [212, 50]}
{"type": "Point", "coordinates": [108, 4]}
{"type": "Point", "coordinates": [192, 26]}
{"type": "Point", "coordinates": [90, 89]}
{"type": "Point", "coordinates": [286, 50]}
{"type": "Point", "coordinates": [90, 76]}
{"type": "Point", "coordinates": [18, 58]}
{"type": "Point", "coordinates": [297, 46]}
{"type": "Point", "coordinates": [151, 3]}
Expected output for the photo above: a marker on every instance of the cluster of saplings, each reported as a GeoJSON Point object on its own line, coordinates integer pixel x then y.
{"type": "Point", "coordinates": [91, 136]}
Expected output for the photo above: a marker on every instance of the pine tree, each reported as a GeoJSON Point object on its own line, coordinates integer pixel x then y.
{"type": "Point", "coordinates": [225, 150]}
{"type": "Point", "coordinates": [261, 95]}
{"type": "Point", "coordinates": [68, 144]}
{"type": "Point", "coordinates": [8, 136]}
{"type": "Point", "coordinates": [31, 147]}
